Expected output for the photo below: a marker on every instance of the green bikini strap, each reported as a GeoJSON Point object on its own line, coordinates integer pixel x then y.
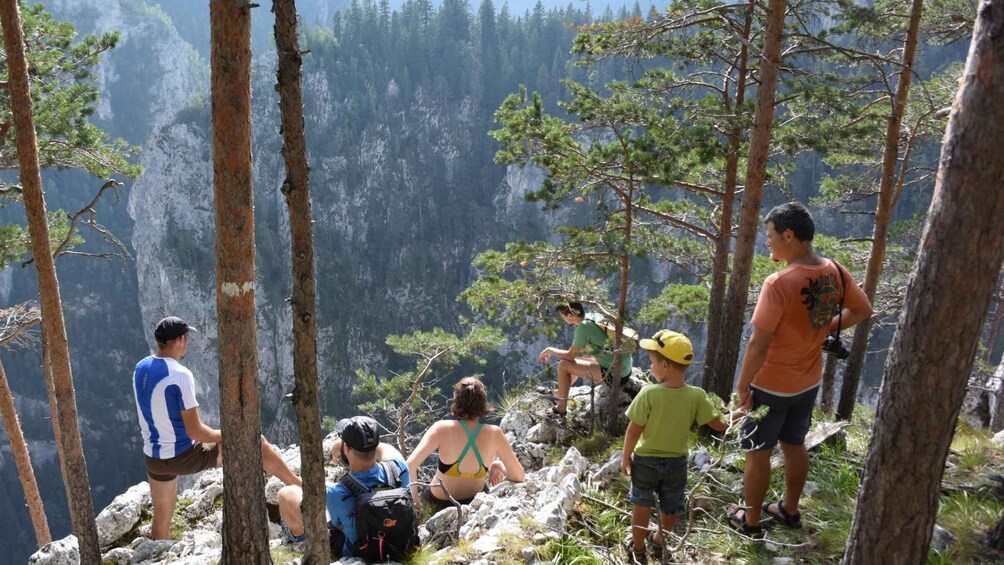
{"type": "Point", "coordinates": [471, 437]}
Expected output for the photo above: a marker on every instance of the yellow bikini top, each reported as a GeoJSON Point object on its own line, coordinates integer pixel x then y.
{"type": "Point", "coordinates": [454, 469]}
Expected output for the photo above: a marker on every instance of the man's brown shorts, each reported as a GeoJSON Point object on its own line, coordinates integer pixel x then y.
{"type": "Point", "coordinates": [198, 458]}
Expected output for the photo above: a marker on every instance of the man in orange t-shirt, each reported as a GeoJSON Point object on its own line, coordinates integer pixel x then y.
{"type": "Point", "coordinates": [782, 366]}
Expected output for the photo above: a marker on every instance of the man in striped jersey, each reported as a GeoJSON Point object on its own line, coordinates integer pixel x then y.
{"type": "Point", "coordinates": [175, 441]}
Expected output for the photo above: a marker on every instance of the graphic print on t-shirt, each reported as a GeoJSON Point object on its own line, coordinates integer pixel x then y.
{"type": "Point", "coordinates": [821, 298]}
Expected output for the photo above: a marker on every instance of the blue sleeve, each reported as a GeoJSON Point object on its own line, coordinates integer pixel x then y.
{"type": "Point", "coordinates": [341, 505]}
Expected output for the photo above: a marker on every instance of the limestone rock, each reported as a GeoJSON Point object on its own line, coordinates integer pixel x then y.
{"type": "Point", "coordinates": [59, 552]}
{"type": "Point", "coordinates": [198, 543]}
{"type": "Point", "coordinates": [941, 538]}
{"type": "Point", "coordinates": [544, 432]}
{"type": "Point", "coordinates": [609, 470]}
{"type": "Point", "coordinates": [117, 556]}
{"type": "Point", "coordinates": [121, 516]}
{"type": "Point", "coordinates": [203, 501]}
{"type": "Point", "coordinates": [700, 459]}
{"type": "Point", "coordinates": [149, 550]}
{"type": "Point", "coordinates": [999, 438]}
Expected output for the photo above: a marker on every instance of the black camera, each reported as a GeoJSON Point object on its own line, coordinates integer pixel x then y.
{"type": "Point", "coordinates": [833, 345]}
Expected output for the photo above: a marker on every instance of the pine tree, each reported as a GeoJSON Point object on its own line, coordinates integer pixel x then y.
{"type": "Point", "coordinates": [15, 322]}
{"type": "Point", "coordinates": [883, 213]}
{"type": "Point", "coordinates": [245, 536]}
{"type": "Point", "coordinates": [58, 358]}
{"type": "Point", "coordinates": [304, 300]}
{"type": "Point", "coordinates": [927, 372]}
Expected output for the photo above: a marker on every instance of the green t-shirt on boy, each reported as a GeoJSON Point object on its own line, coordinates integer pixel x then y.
{"type": "Point", "coordinates": [667, 414]}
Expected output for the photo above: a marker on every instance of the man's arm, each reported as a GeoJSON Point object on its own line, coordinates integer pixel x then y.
{"type": "Point", "coordinates": [850, 316]}
{"type": "Point", "coordinates": [197, 430]}
{"type": "Point", "coordinates": [567, 354]}
{"type": "Point", "coordinates": [756, 354]}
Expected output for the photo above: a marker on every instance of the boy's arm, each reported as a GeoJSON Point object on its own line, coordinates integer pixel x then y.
{"type": "Point", "coordinates": [717, 424]}
{"type": "Point", "coordinates": [630, 441]}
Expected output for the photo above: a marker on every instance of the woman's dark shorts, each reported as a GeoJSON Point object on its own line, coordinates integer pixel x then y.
{"type": "Point", "coordinates": [198, 458]}
{"type": "Point", "coordinates": [666, 476]}
{"type": "Point", "coordinates": [438, 504]}
{"type": "Point", "coordinates": [788, 419]}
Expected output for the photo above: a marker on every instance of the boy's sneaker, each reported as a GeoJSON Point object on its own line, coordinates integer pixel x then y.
{"type": "Point", "coordinates": [287, 536]}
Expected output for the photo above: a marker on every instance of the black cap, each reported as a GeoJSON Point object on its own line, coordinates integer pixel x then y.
{"type": "Point", "coordinates": [359, 432]}
{"type": "Point", "coordinates": [171, 327]}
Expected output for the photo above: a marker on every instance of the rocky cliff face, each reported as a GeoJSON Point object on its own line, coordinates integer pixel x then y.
{"type": "Point", "coordinates": [385, 261]}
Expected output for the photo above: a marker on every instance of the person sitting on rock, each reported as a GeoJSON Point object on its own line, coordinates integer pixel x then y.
{"type": "Point", "coordinates": [359, 449]}
{"type": "Point", "coordinates": [175, 441]}
{"type": "Point", "coordinates": [587, 358]}
{"type": "Point", "coordinates": [464, 444]}
{"type": "Point", "coordinates": [655, 443]}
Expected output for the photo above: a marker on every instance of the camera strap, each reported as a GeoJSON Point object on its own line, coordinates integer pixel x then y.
{"type": "Point", "coordinates": [840, 304]}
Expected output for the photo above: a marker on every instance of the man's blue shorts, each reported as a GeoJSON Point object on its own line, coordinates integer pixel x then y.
{"type": "Point", "coordinates": [787, 420]}
{"type": "Point", "coordinates": [666, 476]}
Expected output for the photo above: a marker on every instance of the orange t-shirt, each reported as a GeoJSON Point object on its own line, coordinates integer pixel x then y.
{"type": "Point", "coordinates": [797, 305]}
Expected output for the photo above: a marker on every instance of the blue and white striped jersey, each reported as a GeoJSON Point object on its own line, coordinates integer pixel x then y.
{"type": "Point", "coordinates": [163, 388]}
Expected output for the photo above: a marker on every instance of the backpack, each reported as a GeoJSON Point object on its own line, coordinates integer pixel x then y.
{"type": "Point", "coordinates": [629, 337]}
{"type": "Point", "coordinates": [386, 526]}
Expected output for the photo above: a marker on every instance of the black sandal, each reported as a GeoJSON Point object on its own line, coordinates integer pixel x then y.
{"type": "Point", "coordinates": [738, 523]}
{"type": "Point", "coordinates": [781, 516]}
{"type": "Point", "coordinates": [655, 545]}
{"type": "Point", "coordinates": [636, 557]}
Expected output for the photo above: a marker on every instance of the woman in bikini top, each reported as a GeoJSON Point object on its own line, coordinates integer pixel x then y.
{"type": "Point", "coordinates": [467, 442]}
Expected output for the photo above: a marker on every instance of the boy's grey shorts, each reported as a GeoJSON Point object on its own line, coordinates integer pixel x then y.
{"type": "Point", "coordinates": [666, 476]}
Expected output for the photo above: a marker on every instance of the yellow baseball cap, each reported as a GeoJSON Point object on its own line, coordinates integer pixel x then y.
{"type": "Point", "coordinates": [673, 346]}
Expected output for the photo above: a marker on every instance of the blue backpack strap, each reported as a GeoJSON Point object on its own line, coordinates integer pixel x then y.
{"type": "Point", "coordinates": [393, 473]}
{"type": "Point", "coordinates": [471, 437]}
{"type": "Point", "coordinates": [354, 485]}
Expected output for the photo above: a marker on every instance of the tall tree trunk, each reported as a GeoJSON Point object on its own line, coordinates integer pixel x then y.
{"type": "Point", "coordinates": [245, 536]}
{"type": "Point", "coordinates": [883, 216]}
{"type": "Point", "coordinates": [23, 461]}
{"type": "Point", "coordinates": [78, 492]}
{"type": "Point", "coordinates": [955, 275]}
{"type": "Point", "coordinates": [612, 409]}
{"type": "Point", "coordinates": [826, 389]}
{"type": "Point", "coordinates": [749, 220]}
{"type": "Point", "coordinates": [711, 380]}
{"type": "Point", "coordinates": [304, 301]}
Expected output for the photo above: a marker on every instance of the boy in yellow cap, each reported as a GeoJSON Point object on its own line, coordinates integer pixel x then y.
{"type": "Point", "coordinates": [655, 444]}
